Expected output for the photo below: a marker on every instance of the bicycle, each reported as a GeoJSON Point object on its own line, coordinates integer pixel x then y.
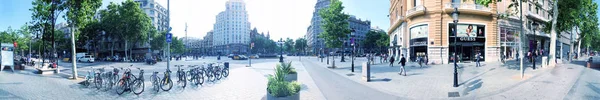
{"type": "Point", "coordinates": [193, 75]}
{"type": "Point", "coordinates": [225, 71]}
{"type": "Point", "coordinates": [209, 73]}
{"type": "Point", "coordinates": [139, 83]}
{"type": "Point", "coordinates": [155, 81]}
{"type": "Point", "coordinates": [166, 81]}
{"type": "Point", "coordinates": [126, 81]}
{"type": "Point", "coordinates": [113, 77]}
{"type": "Point", "coordinates": [89, 78]}
{"type": "Point", "coordinates": [98, 78]}
{"type": "Point", "coordinates": [181, 76]}
{"type": "Point", "coordinates": [217, 71]}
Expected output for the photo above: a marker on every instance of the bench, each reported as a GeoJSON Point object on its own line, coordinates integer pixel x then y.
{"type": "Point", "coordinates": [47, 70]}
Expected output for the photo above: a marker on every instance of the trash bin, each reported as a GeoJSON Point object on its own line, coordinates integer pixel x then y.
{"type": "Point", "coordinates": [226, 64]}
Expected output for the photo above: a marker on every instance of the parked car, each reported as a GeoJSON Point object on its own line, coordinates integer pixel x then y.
{"type": "Point", "coordinates": [254, 56]}
{"type": "Point", "coordinates": [87, 58]}
{"type": "Point", "coordinates": [239, 57]}
{"type": "Point", "coordinates": [230, 56]}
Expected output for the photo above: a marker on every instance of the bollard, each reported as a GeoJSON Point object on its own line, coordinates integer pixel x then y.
{"type": "Point", "coordinates": [366, 71]}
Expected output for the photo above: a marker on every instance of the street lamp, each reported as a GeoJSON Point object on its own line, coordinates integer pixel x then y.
{"type": "Point", "coordinates": [455, 14]}
{"type": "Point", "coordinates": [280, 42]}
{"type": "Point", "coordinates": [534, 25]}
{"type": "Point", "coordinates": [353, 47]}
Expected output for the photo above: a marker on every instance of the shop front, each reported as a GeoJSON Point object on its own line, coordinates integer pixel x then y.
{"type": "Point", "coordinates": [467, 43]}
{"type": "Point", "coordinates": [418, 41]}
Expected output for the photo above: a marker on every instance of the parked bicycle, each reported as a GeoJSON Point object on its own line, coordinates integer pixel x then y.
{"type": "Point", "coordinates": [112, 77]}
{"type": "Point", "coordinates": [155, 81]}
{"type": "Point", "coordinates": [98, 78]}
{"type": "Point", "coordinates": [208, 71]}
{"type": "Point", "coordinates": [89, 78]}
{"type": "Point", "coordinates": [193, 75]}
{"type": "Point", "coordinates": [166, 83]}
{"type": "Point", "coordinates": [129, 83]}
{"type": "Point", "coordinates": [181, 80]}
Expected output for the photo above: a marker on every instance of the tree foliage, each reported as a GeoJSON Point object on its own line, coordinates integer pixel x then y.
{"type": "Point", "coordinates": [301, 44]}
{"type": "Point", "coordinates": [335, 24]}
{"type": "Point", "coordinates": [375, 40]}
{"type": "Point", "coordinates": [289, 45]}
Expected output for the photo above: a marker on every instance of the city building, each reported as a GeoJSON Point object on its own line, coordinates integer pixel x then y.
{"type": "Point", "coordinates": [232, 29]}
{"type": "Point", "coordinates": [193, 45]}
{"type": "Point", "coordinates": [421, 28]}
{"type": "Point", "coordinates": [207, 44]}
{"type": "Point", "coordinates": [156, 12]}
{"type": "Point", "coordinates": [316, 45]}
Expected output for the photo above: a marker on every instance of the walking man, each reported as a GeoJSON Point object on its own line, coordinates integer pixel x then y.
{"type": "Point", "coordinates": [402, 65]}
{"type": "Point", "coordinates": [392, 61]}
{"type": "Point", "coordinates": [477, 58]}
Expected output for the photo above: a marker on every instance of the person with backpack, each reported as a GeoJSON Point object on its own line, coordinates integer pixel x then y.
{"type": "Point", "coordinates": [402, 65]}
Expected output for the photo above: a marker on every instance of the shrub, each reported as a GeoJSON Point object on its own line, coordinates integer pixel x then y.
{"type": "Point", "coordinates": [280, 88]}
{"type": "Point", "coordinates": [287, 67]}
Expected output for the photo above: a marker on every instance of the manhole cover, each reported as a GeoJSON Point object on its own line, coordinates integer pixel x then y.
{"type": "Point", "coordinates": [453, 94]}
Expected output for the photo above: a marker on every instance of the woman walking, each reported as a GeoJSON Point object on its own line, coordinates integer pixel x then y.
{"type": "Point", "coordinates": [392, 61]}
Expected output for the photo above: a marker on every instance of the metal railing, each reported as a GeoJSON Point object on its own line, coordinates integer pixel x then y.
{"type": "Point", "coordinates": [415, 9]}
{"type": "Point", "coordinates": [467, 6]}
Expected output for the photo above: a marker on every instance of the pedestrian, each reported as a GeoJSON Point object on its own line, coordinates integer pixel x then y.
{"type": "Point", "coordinates": [421, 61]}
{"type": "Point", "coordinates": [402, 65]}
{"type": "Point", "coordinates": [477, 59]}
{"type": "Point", "coordinates": [385, 58]}
{"type": "Point", "coordinates": [392, 61]}
{"type": "Point", "coordinates": [426, 59]}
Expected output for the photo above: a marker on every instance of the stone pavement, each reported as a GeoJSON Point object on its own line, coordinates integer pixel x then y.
{"type": "Point", "coordinates": [435, 81]}
{"type": "Point", "coordinates": [242, 83]}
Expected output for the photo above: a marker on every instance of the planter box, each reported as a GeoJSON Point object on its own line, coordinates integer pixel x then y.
{"type": "Point", "coordinates": [292, 97]}
{"type": "Point", "coordinates": [291, 77]}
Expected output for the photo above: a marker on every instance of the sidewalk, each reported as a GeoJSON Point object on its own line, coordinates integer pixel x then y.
{"type": "Point", "coordinates": [435, 81]}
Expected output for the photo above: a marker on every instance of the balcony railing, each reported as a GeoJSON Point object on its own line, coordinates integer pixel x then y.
{"type": "Point", "coordinates": [467, 6]}
{"type": "Point", "coordinates": [415, 10]}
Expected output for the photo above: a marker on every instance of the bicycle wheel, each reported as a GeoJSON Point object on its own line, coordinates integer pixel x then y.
{"type": "Point", "coordinates": [217, 75]}
{"type": "Point", "coordinates": [122, 86]}
{"type": "Point", "coordinates": [226, 72]}
{"type": "Point", "coordinates": [184, 81]}
{"type": "Point", "coordinates": [138, 86]}
{"type": "Point", "coordinates": [200, 77]}
{"type": "Point", "coordinates": [155, 83]}
{"type": "Point", "coordinates": [98, 82]}
{"type": "Point", "coordinates": [166, 84]}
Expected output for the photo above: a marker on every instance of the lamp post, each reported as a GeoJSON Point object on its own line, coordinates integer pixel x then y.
{"type": "Point", "coordinates": [280, 42]}
{"type": "Point", "coordinates": [353, 48]}
{"type": "Point", "coordinates": [455, 18]}
{"type": "Point", "coordinates": [534, 25]}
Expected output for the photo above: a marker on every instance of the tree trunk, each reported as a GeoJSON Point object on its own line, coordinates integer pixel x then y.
{"type": "Point", "coordinates": [552, 55]}
{"type": "Point", "coordinates": [126, 47]}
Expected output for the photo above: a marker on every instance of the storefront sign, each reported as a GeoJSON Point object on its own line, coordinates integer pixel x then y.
{"type": "Point", "coordinates": [467, 39]}
{"type": "Point", "coordinates": [422, 43]}
{"type": "Point", "coordinates": [470, 30]}
{"type": "Point", "coordinates": [420, 31]}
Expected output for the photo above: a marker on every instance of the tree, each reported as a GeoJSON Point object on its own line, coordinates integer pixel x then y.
{"type": "Point", "coordinates": [44, 15]}
{"type": "Point", "coordinates": [289, 45]}
{"type": "Point", "coordinates": [126, 22]}
{"type": "Point", "coordinates": [375, 39]}
{"type": "Point", "coordinates": [335, 25]}
{"type": "Point", "coordinates": [177, 46]}
{"type": "Point", "coordinates": [301, 45]}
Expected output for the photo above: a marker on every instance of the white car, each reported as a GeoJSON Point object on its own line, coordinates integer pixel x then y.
{"type": "Point", "coordinates": [87, 58]}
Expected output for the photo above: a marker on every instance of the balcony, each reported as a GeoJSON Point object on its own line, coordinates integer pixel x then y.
{"type": "Point", "coordinates": [538, 17]}
{"type": "Point", "coordinates": [418, 10]}
{"type": "Point", "coordinates": [468, 8]}
{"type": "Point", "coordinates": [396, 23]}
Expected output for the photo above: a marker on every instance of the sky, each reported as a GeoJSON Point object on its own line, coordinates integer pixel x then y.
{"type": "Point", "coordinates": [282, 18]}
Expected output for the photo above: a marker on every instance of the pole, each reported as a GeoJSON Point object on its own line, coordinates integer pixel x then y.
{"type": "Point", "coordinates": [353, 48]}
{"type": "Point", "coordinates": [169, 29]}
{"type": "Point", "coordinates": [455, 57]}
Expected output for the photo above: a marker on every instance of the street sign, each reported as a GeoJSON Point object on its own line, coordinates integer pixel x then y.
{"type": "Point", "coordinates": [169, 35]}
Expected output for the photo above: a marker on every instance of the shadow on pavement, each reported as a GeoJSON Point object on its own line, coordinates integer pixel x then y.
{"type": "Point", "coordinates": [381, 80]}
{"type": "Point", "coordinates": [472, 86]}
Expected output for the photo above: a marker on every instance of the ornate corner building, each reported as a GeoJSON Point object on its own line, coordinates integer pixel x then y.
{"type": "Point", "coordinates": [421, 28]}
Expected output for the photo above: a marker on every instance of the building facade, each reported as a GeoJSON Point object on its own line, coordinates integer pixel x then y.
{"type": "Point", "coordinates": [316, 45]}
{"type": "Point", "coordinates": [232, 29]}
{"type": "Point", "coordinates": [156, 12]}
{"type": "Point", "coordinates": [420, 28]}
